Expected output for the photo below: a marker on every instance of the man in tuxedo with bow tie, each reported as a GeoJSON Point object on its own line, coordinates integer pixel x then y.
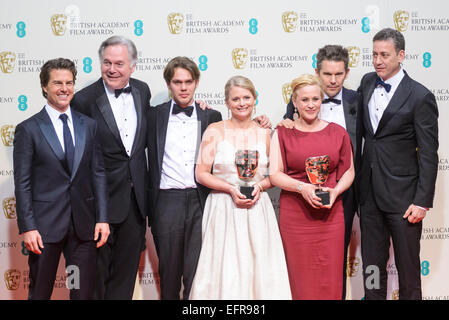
{"type": "Point", "coordinates": [339, 106]}
{"type": "Point", "coordinates": [60, 187]}
{"type": "Point", "coordinates": [119, 104]}
{"type": "Point", "coordinates": [175, 131]}
{"type": "Point", "coordinates": [397, 170]}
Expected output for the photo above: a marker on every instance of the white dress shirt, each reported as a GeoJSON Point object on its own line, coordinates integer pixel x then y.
{"type": "Point", "coordinates": [125, 116]}
{"type": "Point", "coordinates": [381, 98]}
{"type": "Point", "coordinates": [178, 163]}
{"type": "Point", "coordinates": [58, 124]}
{"type": "Point", "coordinates": [332, 112]}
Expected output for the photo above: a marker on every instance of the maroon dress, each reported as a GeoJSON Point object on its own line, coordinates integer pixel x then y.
{"type": "Point", "coordinates": [313, 239]}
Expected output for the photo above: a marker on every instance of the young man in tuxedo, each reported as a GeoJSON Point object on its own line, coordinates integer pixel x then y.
{"type": "Point", "coordinates": [60, 187]}
{"type": "Point", "coordinates": [339, 106]}
{"type": "Point", "coordinates": [398, 121]}
{"type": "Point", "coordinates": [119, 104]}
{"type": "Point", "coordinates": [175, 131]}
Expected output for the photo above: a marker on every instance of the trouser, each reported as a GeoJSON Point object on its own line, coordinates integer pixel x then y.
{"type": "Point", "coordinates": [177, 235]}
{"type": "Point", "coordinates": [377, 227]}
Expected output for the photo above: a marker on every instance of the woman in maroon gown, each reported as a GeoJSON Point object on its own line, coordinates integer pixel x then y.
{"type": "Point", "coordinates": [312, 233]}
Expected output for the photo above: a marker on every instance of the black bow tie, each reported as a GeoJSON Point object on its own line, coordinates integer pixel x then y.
{"type": "Point", "coordinates": [118, 92]}
{"type": "Point", "coordinates": [336, 101]}
{"type": "Point", "coordinates": [379, 82]}
{"type": "Point", "coordinates": [188, 110]}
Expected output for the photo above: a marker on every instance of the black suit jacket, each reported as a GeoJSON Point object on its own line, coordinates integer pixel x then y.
{"type": "Point", "coordinates": [351, 102]}
{"type": "Point", "coordinates": [399, 161]}
{"type": "Point", "coordinates": [46, 195]}
{"type": "Point", "coordinates": [122, 171]}
{"type": "Point", "coordinates": [157, 132]}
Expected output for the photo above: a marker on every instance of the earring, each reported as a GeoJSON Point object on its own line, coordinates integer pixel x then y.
{"type": "Point", "coordinates": [295, 114]}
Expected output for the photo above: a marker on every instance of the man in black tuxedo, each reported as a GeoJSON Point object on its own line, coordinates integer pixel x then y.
{"type": "Point", "coordinates": [60, 187]}
{"type": "Point", "coordinates": [119, 104]}
{"type": "Point", "coordinates": [175, 130]}
{"type": "Point", "coordinates": [339, 106]}
{"type": "Point", "coordinates": [396, 179]}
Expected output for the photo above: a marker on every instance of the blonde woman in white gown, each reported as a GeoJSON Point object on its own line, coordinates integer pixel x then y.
{"type": "Point", "coordinates": [242, 256]}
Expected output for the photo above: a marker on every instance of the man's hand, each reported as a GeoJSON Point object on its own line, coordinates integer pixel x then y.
{"type": "Point", "coordinates": [203, 104]}
{"type": "Point", "coordinates": [33, 241]}
{"type": "Point", "coordinates": [414, 214]}
{"type": "Point", "coordinates": [287, 123]}
{"type": "Point", "coordinates": [103, 229]}
{"type": "Point", "coordinates": [263, 121]}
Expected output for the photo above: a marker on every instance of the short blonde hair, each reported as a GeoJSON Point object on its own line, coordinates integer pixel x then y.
{"type": "Point", "coordinates": [242, 82]}
{"type": "Point", "coordinates": [306, 80]}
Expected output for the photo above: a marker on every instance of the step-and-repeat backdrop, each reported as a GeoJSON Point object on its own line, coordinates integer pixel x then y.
{"type": "Point", "coordinates": [271, 42]}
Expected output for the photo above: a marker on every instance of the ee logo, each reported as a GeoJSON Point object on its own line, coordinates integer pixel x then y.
{"type": "Point", "coordinates": [426, 59]}
{"type": "Point", "coordinates": [425, 268]}
{"type": "Point", "coordinates": [203, 63]}
{"type": "Point", "coordinates": [253, 26]}
{"type": "Point", "coordinates": [365, 25]}
{"type": "Point", "coordinates": [21, 29]}
{"type": "Point", "coordinates": [314, 62]}
{"type": "Point", "coordinates": [138, 25]}
{"type": "Point", "coordinates": [22, 102]}
{"type": "Point", "coordinates": [87, 65]}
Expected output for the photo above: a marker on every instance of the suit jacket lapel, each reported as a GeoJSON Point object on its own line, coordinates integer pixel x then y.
{"type": "Point", "coordinates": [397, 102]}
{"type": "Point", "coordinates": [49, 133]}
{"type": "Point", "coordinates": [350, 112]}
{"type": "Point", "coordinates": [139, 112]}
{"type": "Point", "coordinates": [80, 141]}
{"type": "Point", "coordinates": [367, 93]}
{"type": "Point", "coordinates": [105, 108]}
{"type": "Point", "coordinates": [203, 119]}
{"type": "Point", "coordinates": [162, 115]}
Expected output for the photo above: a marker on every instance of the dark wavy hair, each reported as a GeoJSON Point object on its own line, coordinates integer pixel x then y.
{"type": "Point", "coordinates": [56, 64]}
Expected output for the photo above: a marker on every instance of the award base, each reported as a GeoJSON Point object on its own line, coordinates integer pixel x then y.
{"type": "Point", "coordinates": [246, 191]}
{"type": "Point", "coordinates": [324, 196]}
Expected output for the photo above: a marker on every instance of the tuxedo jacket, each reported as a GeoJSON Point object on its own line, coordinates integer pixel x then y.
{"type": "Point", "coordinates": [351, 102]}
{"type": "Point", "coordinates": [157, 131]}
{"type": "Point", "coordinates": [123, 172]}
{"type": "Point", "coordinates": [399, 161]}
{"type": "Point", "coordinates": [47, 196]}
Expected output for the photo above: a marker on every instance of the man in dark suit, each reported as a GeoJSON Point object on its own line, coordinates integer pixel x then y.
{"type": "Point", "coordinates": [119, 104]}
{"type": "Point", "coordinates": [60, 187]}
{"type": "Point", "coordinates": [399, 123]}
{"type": "Point", "coordinates": [339, 106]}
{"type": "Point", "coordinates": [175, 131]}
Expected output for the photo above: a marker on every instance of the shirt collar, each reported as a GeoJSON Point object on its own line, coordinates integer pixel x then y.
{"type": "Point", "coordinates": [193, 105]}
{"type": "Point", "coordinates": [54, 114]}
{"type": "Point", "coordinates": [338, 96]}
{"type": "Point", "coordinates": [111, 92]}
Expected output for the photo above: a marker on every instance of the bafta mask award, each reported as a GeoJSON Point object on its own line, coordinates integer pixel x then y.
{"type": "Point", "coordinates": [317, 169]}
{"type": "Point", "coordinates": [246, 162]}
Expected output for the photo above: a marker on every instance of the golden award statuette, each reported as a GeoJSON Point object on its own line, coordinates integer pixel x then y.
{"type": "Point", "coordinates": [246, 162]}
{"type": "Point", "coordinates": [317, 169]}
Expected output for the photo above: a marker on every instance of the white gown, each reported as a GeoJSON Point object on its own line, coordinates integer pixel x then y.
{"type": "Point", "coordinates": [242, 257]}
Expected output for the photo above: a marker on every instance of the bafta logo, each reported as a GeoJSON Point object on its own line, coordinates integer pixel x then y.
{"type": "Point", "coordinates": [287, 92]}
{"type": "Point", "coordinates": [58, 24]}
{"type": "Point", "coordinates": [7, 132]}
{"type": "Point", "coordinates": [352, 266]}
{"type": "Point", "coordinates": [239, 57]}
{"type": "Point", "coordinates": [9, 208]}
{"type": "Point", "coordinates": [289, 21]}
{"type": "Point", "coordinates": [395, 295]}
{"type": "Point", "coordinates": [354, 56]}
{"type": "Point", "coordinates": [7, 61]}
{"type": "Point", "coordinates": [175, 21]}
{"type": "Point", "coordinates": [12, 279]}
{"type": "Point", "coordinates": [401, 19]}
